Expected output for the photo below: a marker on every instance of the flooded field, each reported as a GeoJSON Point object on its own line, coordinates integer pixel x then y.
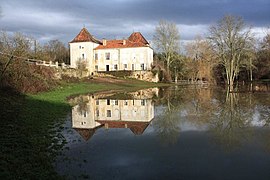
{"type": "Point", "coordinates": [181, 132]}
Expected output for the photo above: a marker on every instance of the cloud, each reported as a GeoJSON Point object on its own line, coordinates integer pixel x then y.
{"type": "Point", "coordinates": [63, 19]}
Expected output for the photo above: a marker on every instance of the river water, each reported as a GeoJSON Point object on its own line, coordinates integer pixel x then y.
{"type": "Point", "coordinates": [181, 132]}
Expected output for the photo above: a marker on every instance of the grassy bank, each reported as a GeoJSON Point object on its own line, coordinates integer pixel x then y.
{"type": "Point", "coordinates": [30, 127]}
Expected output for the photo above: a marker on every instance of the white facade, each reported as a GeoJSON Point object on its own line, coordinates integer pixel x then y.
{"type": "Point", "coordinates": [137, 58]}
{"type": "Point", "coordinates": [82, 52]}
{"type": "Point", "coordinates": [109, 110]}
{"type": "Point", "coordinates": [133, 110]}
{"type": "Point", "coordinates": [110, 55]}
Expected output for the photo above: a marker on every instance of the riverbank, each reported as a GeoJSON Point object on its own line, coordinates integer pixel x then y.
{"type": "Point", "coordinates": [30, 126]}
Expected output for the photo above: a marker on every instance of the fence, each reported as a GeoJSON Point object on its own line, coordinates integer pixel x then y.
{"type": "Point", "coordinates": [37, 61]}
{"type": "Point", "coordinates": [47, 63]}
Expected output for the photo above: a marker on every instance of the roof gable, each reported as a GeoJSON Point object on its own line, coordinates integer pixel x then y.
{"type": "Point", "coordinates": [137, 37]}
{"type": "Point", "coordinates": [136, 127]}
{"type": "Point", "coordinates": [85, 36]}
{"type": "Point", "coordinates": [111, 44]}
{"type": "Point", "coordinates": [86, 133]}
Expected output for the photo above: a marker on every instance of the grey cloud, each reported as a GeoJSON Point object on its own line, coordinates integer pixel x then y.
{"type": "Point", "coordinates": [63, 19]}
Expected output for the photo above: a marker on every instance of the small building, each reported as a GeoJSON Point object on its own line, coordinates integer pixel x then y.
{"type": "Point", "coordinates": [133, 53]}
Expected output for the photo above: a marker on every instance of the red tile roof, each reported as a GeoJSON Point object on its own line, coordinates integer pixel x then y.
{"type": "Point", "coordinates": [136, 127]}
{"type": "Point", "coordinates": [86, 133]}
{"type": "Point", "coordinates": [85, 36]}
{"type": "Point", "coordinates": [138, 38]}
{"type": "Point", "coordinates": [111, 44]}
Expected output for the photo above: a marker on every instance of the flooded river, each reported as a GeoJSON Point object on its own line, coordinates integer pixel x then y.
{"type": "Point", "coordinates": [181, 132]}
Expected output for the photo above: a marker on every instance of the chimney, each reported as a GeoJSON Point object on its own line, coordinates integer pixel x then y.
{"type": "Point", "coordinates": [124, 42]}
{"type": "Point", "coordinates": [104, 42]}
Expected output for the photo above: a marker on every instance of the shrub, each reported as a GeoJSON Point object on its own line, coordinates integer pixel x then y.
{"type": "Point", "coordinates": [28, 78]}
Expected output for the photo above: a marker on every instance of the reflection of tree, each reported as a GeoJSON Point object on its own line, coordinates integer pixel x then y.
{"type": "Point", "coordinates": [200, 105]}
{"type": "Point", "coordinates": [232, 118]}
{"type": "Point", "coordinates": [167, 126]}
{"type": "Point", "coordinates": [194, 101]}
{"type": "Point", "coordinates": [82, 106]}
{"type": "Point", "coordinates": [230, 125]}
{"type": "Point", "coordinates": [263, 109]}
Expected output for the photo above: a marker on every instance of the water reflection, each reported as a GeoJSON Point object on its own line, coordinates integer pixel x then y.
{"type": "Point", "coordinates": [229, 117]}
{"type": "Point", "coordinates": [134, 110]}
{"type": "Point", "coordinates": [186, 132]}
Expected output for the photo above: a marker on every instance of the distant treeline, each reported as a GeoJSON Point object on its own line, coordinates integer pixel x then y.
{"type": "Point", "coordinates": [229, 52]}
{"type": "Point", "coordinates": [23, 77]}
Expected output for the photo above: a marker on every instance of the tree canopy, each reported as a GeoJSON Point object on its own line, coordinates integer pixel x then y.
{"type": "Point", "coordinates": [166, 40]}
{"type": "Point", "coordinates": [232, 43]}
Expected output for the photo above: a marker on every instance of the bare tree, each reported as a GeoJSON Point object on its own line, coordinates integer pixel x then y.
{"type": "Point", "coordinates": [55, 50]}
{"type": "Point", "coordinates": [81, 66]}
{"type": "Point", "coordinates": [263, 58]}
{"type": "Point", "coordinates": [166, 39]}
{"type": "Point", "coordinates": [10, 46]}
{"type": "Point", "coordinates": [202, 58]}
{"type": "Point", "coordinates": [231, 41]}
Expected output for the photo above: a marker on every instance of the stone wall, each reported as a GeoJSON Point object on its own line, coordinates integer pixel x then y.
{"type": "Point", "coordinates": [145, 76]}
{"type": "Point", "coordinates": [72, 73]}
{"type": "Point", "coordinates": [140, 75]}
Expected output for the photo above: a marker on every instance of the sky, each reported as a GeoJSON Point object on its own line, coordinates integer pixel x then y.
{"type": "Point", "coordinates": [47, 20]}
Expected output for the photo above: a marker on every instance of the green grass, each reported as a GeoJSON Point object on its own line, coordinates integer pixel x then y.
{"type": "Point", "coordinates": [30, 124]}
{"type": "Point", "coordinates": [62, 92]}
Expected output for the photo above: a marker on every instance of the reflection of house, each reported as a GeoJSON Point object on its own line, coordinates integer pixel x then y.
{"type": "Point", "coordinates": [133, 53]}
{"type": "Point", "coordinates": [134, 114]}
{"type": "Point", "coordinates": [136, 127]}
{"type": "Point", "coordinates": [124, 110]}
{"type": "Point", "coordinates": [83, 117]}
{"type": "Point", "coordinates": [83, 120]}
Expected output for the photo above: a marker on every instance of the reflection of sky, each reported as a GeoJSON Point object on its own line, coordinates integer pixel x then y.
{"type": "Point", "coordinates": [184, 124]}
{"type": "Point", "coordinates": [256, 119]}
{"type": "Point", "coordinates": [188, 145]}
{"type": "Point", "coordinates": [188, 126]}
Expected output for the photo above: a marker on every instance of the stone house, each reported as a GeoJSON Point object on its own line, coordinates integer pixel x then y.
{"type": "Point", "coordinates": [133, 53]}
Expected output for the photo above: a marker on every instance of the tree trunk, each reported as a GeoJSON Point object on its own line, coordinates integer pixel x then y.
{"type": "Point", "coordinates": [231, 85]}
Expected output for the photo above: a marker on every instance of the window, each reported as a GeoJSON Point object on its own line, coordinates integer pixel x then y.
{"type": "Point", "coordinates": [80, 47]}
{"type": "Point", "coordinates": [83, 56]}
{"type": "Point", "coordinates": [126, 103]}
{"type": "Point", "coordinates": [97, 102]}
{"type": "Point", "coordinates": [108, 102]}
{"type": "Point", "coordinates": [109, 113]}
{"type": "Point", "coordinates": [97, 112]}
{"type": "Point", "coordinates": [107, 56]}
{"type": "Point", "coordinates": [96, 56]}
{"type": "Point", "coordinates": [96, 67]}
{"type": "Point", "coordinates": [115, 66]}
{"type": "Point", "coordinates": [143, 102]}
{"type": "Point", "coordinates": [85, 114]}
{"type": "Point", "coordinates": [125, 66]}
{"type": "Point", "coordinates": [116, 102]}
{"type": "Point", "coordinates": [142, 66]}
